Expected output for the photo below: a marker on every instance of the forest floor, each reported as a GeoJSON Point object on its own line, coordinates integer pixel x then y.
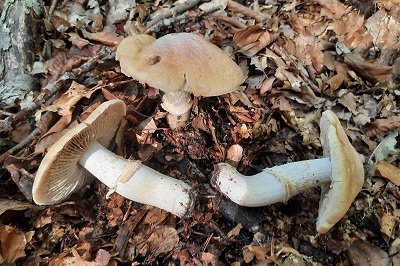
{"type": "Point", "coordinates": [300, 57]}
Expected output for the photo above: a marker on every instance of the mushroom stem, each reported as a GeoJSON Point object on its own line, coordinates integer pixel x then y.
{"type": "Point", "coordinates": [272, 185]}
{"type": "Point", "coordinates": [178, 104]}
{"type": "Point", "coordinates": [137, 182]}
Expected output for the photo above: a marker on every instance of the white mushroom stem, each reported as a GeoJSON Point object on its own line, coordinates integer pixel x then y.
{"type": "Point", "coordinates": [272, 185]}
{"type": "Point", "coordinates": [137, 182]}
{"type": "Point", "coordinates": [178, 104]}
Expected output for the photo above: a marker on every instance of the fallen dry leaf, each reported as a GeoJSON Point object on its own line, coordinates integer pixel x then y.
{"type": "Point", "coordinates": [388, 223]}
{"type": "Point", "coordinates": [102, 258]}
{"type": "Point", "coordinates": [361, 252]}
{"type": "Point", "coordinates": [59, 64]}
{"type": "Point", "coordinates": [385, 148]}
{"type": "Point", "coordinates": [15, 205]}
{"type": "Point", "coordinates": [161, 241]}
{"type": "Point", "coordinates": [389, 171]}
{"type": "Point", "coordinates": [208, 259]}
{"type": "Point", "coordinates": [383, 125]}
{"type": "Point", "coordinates": [253, 39]}
{"type": "Point", "coordinates": [370, 71]}
{"type": "Point", "coordinates": [12, 244]}
{"type": "Point", "coordinates": [333, 83]}
{"type": "Point", "coordinates": [348, 100]}
{"type": "Point", "coordinates": [77, 40]}
{"type": "Point", "coordinates": [107, 38]}
{"type": "Point", "coordinates": [235, 231]}
{"type": "Point", "coordinates": [65, 104]}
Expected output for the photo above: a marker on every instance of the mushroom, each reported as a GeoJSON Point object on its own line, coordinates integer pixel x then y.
{"type": "Point", "coordinates": [340, 175]}
{"type": "Point", "coordinates": [179, 64]}
{"type": "Point", "coordinates": [66, 166]}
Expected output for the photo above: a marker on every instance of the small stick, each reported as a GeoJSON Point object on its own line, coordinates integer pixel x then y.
{"type": "Point", "coordinates": [239, 8]}
{"type": "Point", "coordinates": [178, 19]}
{"type": "Point", "coordinates": [32, 136]}
{"type": "Point", "coordinates": [169, 12]}
{"type": "Point", "coordinates": [232, 21]}
{"type": "Point", "coordinates": [50, 89]}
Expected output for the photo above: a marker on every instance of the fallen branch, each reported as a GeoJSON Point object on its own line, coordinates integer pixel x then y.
{"type": "Point", "coordinates": [31, 137]}
{"type": "Point", "coordinates": [169, 12]}
{"type": "Point", "coordinates": [244, 10]}
{"type": "Point", "coordinates": [50, 89]}
{"type": "Point", "coordinates": [178, 19]}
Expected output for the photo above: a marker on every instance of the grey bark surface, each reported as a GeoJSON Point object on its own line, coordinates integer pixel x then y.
{"type": "Point", "coordinates": [17, 36]}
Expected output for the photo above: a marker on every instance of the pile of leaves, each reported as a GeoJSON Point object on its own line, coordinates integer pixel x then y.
{"type": "Point", "coordinates": [301, 58]}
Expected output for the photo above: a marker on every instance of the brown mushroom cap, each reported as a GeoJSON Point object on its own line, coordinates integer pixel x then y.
{"type": "Point", "coordinates": [347, 173]}
{"type": "Point", "coordinates": [166, 63]}
{"type": "Point", "coordinates": [59, 174]}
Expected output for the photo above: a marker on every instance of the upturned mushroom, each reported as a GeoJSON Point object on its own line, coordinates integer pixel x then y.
{"type": "Point", "coordinates": [340, 174]}
{"type": "Point", "coordinates": [179, 64]}
{"type": "Point", "coordinates": [83, 150]}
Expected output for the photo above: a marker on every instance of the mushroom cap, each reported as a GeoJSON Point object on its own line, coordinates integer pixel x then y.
{"type": "Point", "coordinates": [347, 173]}
{"type": "Point", "coordinates": [170, 61]}
{"type": "Point", "coordinates": [59, 174]}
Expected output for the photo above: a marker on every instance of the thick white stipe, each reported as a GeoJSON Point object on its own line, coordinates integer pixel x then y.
{"type": "Point", "coordinates": [137, 182]}
{"type": "Point", "coordinates": [272, 185]}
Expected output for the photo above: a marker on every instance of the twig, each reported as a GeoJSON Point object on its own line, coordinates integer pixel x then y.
{"type": "Point", "coordinates": [47, 92]}
{"type": "Point", "coordinates": [169, 12]}
{"type": "Point", "coordinates": [236, 7]}
{"type": "Point", "coordinates": [50, 89]}
{"type": "Point", "coordinates": [178, 19]}
{"type": "Point", "coordinates": [51, 10]}
{"type": "Point", "coordinates": [232, 21]}
{"type": "Point", "coordinates": [34, 134]}
{"type": "Point", "coordinates": [5, 113]}
{"type": "Point", "coordinates": [112, 84]}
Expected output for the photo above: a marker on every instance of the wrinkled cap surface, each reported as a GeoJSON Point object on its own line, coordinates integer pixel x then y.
{"type": "Point", "coordinates": [347, 173]}
{"type": "Point", "coordinates": [170, 61]}
{"type": "Point", "coordinates": [59, 174]}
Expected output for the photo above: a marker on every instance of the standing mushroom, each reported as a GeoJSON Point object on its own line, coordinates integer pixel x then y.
{"type": "Point", "coordinates": [179, 64]}
{"type": "Point", "coordinates": [62, 171]}
{"type": "Point", "coordinates": [342, 166]}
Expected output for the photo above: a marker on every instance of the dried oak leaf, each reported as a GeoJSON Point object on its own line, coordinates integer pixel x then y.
{"type": "Point", "coordinates": [370, 71]}
{"type": "Point", "coordinates": [59, 64]}
{"type": "Point", "coordinates": [12, 244]}
{"type": "Point", "coordinates": [389, 171]}
{"type": "Point", "coordinates": [333, 9]}
{"type": "Point", "coordinates": [253, 39]}
{"type": "Point", "coordinates": [77, 40]}
{"type": "Point", "coordinates": [383, 125]}
{"type": "Point", "coordinates": [161, 241]}
{"type": "Point", "coordinates": [102, 259]}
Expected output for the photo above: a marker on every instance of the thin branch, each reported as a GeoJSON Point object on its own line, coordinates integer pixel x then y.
{"type": "Point", "coordinates": [248, 12]}
{"type": "Point", "coordinates": [183, 18]}
{"type": "Point", "coordinates": [50, 89]}
{"type": "Point", "coordinates": [31, 137]}
{"type": "Point", "coordinates": [174, 11]}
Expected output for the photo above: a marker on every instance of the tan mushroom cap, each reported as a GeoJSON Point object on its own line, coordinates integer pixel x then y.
{"type": "Point", "coordinates": [347, 173]}
{"type": "Point", "coordinates": [59, 174]}
{"type": "Point", "coordinates": [166, 63]}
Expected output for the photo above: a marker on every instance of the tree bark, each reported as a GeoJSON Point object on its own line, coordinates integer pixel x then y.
{"type": "Point", "coordinates": [17, 36]}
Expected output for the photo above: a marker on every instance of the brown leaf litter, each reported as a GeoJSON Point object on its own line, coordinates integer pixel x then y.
{"type": "Point", "coordinates": [301, 58]}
